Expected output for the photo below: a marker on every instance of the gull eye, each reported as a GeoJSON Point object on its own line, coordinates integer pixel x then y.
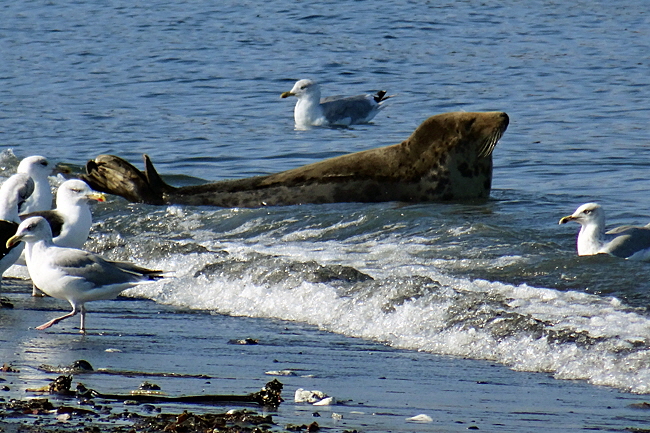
{"type": "Point", "coordinates": [303, 87]}
{"type": "Point", "coordinates": [44, 163]}
{"type": "Point", "coordinates": [587, 211]}
{"type": "Point", "coordinates": [77, 190]}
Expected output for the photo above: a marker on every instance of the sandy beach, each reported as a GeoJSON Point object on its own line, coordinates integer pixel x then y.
{"type": "Point", "coordinates": [376, 388]}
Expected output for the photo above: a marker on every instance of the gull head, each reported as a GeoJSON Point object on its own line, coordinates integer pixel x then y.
{"type": "Point", "coordinates": [304, 88]}
{"type": "Point", "coordinates": [586, 215]}
{"type": "Point", "coordinates": [36, 166]}
{"type": "Point", "coordinates": [75, 191]}
{"type": "Point", "coordinates": [33, 229]}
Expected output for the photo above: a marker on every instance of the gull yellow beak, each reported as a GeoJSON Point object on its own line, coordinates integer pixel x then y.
{"type": "Point", "coordinates": [97, 196]}
{"type": "Point", "coordinates": [13, 241]}
{"type": "Point", "coordinates": [566, 219]}
{"type": "Point", "coordinates": [287, 94]}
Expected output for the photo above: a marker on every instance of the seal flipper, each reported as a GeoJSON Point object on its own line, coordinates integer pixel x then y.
{"type": "Point", "coordinates": [113, 175]}
{"type": "Point", "coordinates": [155, 181]}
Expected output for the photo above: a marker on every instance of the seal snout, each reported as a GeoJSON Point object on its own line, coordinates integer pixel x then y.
{"type": "Point", "coordinates": [506, 120]}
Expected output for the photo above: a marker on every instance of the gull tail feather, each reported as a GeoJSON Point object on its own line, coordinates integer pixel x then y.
{"type": "Point", "coordinates": [381, 96]}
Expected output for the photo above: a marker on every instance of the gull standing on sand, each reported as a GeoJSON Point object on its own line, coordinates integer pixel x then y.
{"type": "Point", "coordinates": [311, 110]}
{"type": "Point", "coordinates": [630, 242]}
{"type": "Point", "coordinates": [71, 220]}
{"type": "Point", "coordinates": [38, 168]}
{"type": "Point", "coordinates": [13, 193]}
{"type": "Point", "coordinates": [74, 275]}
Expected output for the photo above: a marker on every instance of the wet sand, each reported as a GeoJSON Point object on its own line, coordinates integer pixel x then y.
{"type": "Point", "coordinates": [376, 388]}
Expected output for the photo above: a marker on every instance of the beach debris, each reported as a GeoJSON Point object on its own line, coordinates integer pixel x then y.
{"type": "Point", "coordinates": [327, 401]}
{"type": "Point", "coordinates": [313, 427]}
{"type": "Point", "coordinates": [147, 388]}
{"type": "Point", "coordinates": [7, 368]}
{"type": "Point", "coordinates": [420, 418]}
{"type": "Point", "coordinates": [235, 411]}
{"type": "Point", "coordinates": [644, 405]}
{"type": "Point", "coordinates": [189, 422]}
{"type": "Point", "coordinates": [82, 366]}
{"type": "Point", "coordinates": [64, 417]}
{"type": "Point", "coordinates": [5, 303]}
{"type": "Point", "coordinates": [244, 341]}
{"type": "Point", "coordinates": [337, 416]}
{"type": "Point", "coordinates": [244, 421]}
{"type": "Point", "coordinates": [315, 397]}
{"type": "Point", "coordinates": [82, 393]}
{"type": "Point", "coordinates": [150, 374]}
{"type": "Point", "coordinates": [35, 406]}
{"type": "Point", "coordinates": [281, 373]}
{"type": "Point", "coordinates": [77, 367]}
{"type": "Point", "coordinates": [269, 395]}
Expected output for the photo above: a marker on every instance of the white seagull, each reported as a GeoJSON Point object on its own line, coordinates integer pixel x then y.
{"type": "Point", "coordinates": [13, 193]}
{"type": "Point", "coordinates": [311, 110]}
{"type": "Point", "coordinates": [71, 274]}
{"type": "Point", "coordinates": [39, 169]}
{"type": "Point", "coordinates": [71, 220]}
{"type": "Point", "coordinates": [630, 242]}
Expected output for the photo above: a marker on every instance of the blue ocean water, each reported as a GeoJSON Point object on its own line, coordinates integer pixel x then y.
{"type": "Point", "coordinates": [196, 85]}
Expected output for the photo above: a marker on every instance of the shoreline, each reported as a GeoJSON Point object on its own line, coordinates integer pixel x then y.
{"type": "Point", "coordinates": [376, 388]}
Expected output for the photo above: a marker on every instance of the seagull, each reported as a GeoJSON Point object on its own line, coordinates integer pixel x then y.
{"type": "Point", "coordinates": [71, 274]}
{"type": "Point", "coordinates": [630, 242]}
{"type": "Point", "coordinates": [311, 110]}
{"type": "Point", "coordinates": [13, 193]}
{"type": "Point", "coordinates": [38, 168]}
{"type": "Point", "coordinates": [71, 220]}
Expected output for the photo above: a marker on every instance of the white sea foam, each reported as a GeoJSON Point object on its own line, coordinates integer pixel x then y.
{"type": "Point", "coordinates": [286, 265]}
{"type": "Point", "coordinates": [570, 334]}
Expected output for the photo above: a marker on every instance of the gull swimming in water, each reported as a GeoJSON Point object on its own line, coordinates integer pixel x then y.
{"type": "Point", "coordinates": [71, 274]}
{"type": "Point", "coordinates": [13, 193]}
{"type": "Point", "coordinates": [630, 242]}
{"type": "Point", "coordinates": [38, 168]}
{"type": "Point", "coordinates": [71, 220]}
{"type": "Point", "coordinates": [311, 110]}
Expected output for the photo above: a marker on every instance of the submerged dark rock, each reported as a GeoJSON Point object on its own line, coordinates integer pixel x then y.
{"type": "Point", "coordinates": [275, 270]}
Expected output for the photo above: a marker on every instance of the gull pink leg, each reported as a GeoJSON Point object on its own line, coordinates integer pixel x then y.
{"type": "Point", "coordinates": [74, 311]}
{"type": "Point", "coordinates": [55, 321]}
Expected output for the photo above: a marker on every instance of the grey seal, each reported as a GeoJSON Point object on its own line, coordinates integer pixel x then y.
{"type": "Point", "coordinates": [447, 158]}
